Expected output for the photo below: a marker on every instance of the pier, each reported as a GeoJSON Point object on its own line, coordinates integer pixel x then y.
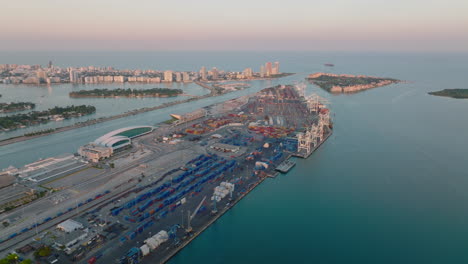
{"type": "Point", "coordinates": [307, 154]}
{"type": "Point", "coordinates": [286, 166]}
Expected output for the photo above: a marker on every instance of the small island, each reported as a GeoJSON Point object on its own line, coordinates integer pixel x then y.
{"type": "Point", "coordinates": [280, 75]}
{"type": "Point", "coordinates": [120, 92]}
{"type": "Point", "coordinates": [14, 107]}
{"type": "Point", "coordinates": [40, 117]}
{"type": "Point", "coordinates": [453, 93]}
{"type": "Point", "coordinates": [347, 83]}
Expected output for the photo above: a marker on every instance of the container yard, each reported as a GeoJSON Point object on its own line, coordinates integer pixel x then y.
{"type": "Point", "coordinates": [149, 206]}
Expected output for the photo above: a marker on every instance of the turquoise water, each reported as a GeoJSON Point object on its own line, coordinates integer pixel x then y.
{"type": "Point", "coordinates": [390, 185]}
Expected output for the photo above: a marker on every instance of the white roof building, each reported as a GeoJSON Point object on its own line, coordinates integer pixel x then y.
{"type": "Point", "coordinates": [69, 225]}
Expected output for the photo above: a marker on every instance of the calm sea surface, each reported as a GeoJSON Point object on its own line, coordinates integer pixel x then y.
{"type": "Point", "coordinates": [390, 185]}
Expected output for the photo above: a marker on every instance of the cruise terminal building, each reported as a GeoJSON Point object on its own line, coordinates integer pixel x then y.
{"type": "Point", "coordinates": [122, 137]}
{"type": "Point", "coordinates": [106, 145]}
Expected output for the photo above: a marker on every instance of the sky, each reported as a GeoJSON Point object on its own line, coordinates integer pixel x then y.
{"type": "Point", "coordinates": [319, 25]}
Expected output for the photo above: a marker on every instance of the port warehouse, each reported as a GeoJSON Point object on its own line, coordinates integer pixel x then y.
{"type": "Point", "coordinates": [21, 187]}
{"type": "Point", "coordinates": [157, 206]}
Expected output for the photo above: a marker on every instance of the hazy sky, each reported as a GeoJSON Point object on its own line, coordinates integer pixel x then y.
{"type": "Point", "coordinates": [354, 25]}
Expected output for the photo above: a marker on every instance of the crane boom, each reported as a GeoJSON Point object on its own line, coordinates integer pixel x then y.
{"type": "Point", "coordinates": [190, 217]}
{"type": "Point", "coordinates": [198, 208]}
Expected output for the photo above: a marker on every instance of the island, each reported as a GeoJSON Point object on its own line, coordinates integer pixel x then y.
{"type": "Point", "coordinates": [40, 117]}
{"type": "Point", "coordinates": [120, 92]}
{"type": "Point", "coordinates": [347, 83]}
{"type": "Point", "coordinates": [230, 87]}
{"type": "Point", "coordinates": [279, 75]}
{"type": "Point", "coordinates": [14, 107]}
{"type": "Point", "coordinates": [453, 93]}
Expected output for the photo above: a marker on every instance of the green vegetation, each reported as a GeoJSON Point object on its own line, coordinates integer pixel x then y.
{"type": "Point", "coordinates": [170, 121]}
{"type": "Point", "coordinates": [14, 259]}
{"type": "Point", "coordinates": [281, 75]}
{"type": "Point", "coordinates": [40, 132]}
{"type": "Point", "coordinates": [11, 258]}
{"type": "Point", "coordinates": [38, 117]}
{"type": "Point", "coordinates": [43, 251]}
{"type": "Point", "coordinates": [9, 208]}
{"type": "Point", "coordinates": [326, 82]}
{"type": "Point", "coordinates": [454, 93]}
{"type": "Point", "coordinates": [23, 201]}
{"type": "Point", "coordinates": [154, 92]}
{"type": "Point", "coordinates": [12, 107]}
{"type": "Point", "coordinates": [134, 132]}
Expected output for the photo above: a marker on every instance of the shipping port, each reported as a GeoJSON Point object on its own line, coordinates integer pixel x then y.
{"type": "Point", "coordinates": [165, 187]}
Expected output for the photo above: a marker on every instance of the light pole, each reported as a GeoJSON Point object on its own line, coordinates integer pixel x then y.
{"type": "Point", "coordinates": [35, 225]}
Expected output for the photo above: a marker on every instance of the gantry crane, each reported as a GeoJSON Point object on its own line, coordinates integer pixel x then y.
{"type": "Point", "coordinates": [190, 217]}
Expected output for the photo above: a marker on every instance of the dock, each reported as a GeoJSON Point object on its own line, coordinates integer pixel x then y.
{"type": "Point", "coordinates": [285, 166]}
{"type": "Point", "coordinates": [306, 155]}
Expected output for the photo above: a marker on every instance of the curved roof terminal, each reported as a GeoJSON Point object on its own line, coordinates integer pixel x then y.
{"type": "Point", "coordinates": [122, 136]}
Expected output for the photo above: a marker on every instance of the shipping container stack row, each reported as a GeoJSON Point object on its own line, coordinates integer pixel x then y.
{"type": "Point", "coordinates": [272, 131]}
{"type": "Point", "coordinates": [177, 195]}
{"type": "Point", "coordinates": [237, 140]}
{"type": "Point", "coordinates": [290, 144]}
{"type": "Point", "coordinates": [170, 194]}
{"type": "Point", "coordinates": [138, 230]}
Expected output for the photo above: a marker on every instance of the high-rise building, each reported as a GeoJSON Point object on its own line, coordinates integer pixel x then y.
{"type": "Point", "coordinates": [248, 73]}
{"type": "Point", "coordinates": [119, 79]}
{"type": "Point", "coordinates": [168, 76]}
{"type": "Point", "coordinates": [268, 68]}
{"type": "Point", "coordinates": [71, 75]}
{"type": "Point", "coordinates": [203, 73]}
{"type": "Point", "coordinates": [50, 64]}
{"type": "Point", "coordinates": [74, 76]}
{"type": "Point", "coordinates": [215, 73]}
{"type": "Point", "coordinates": [185, 77]}
{"type": "Point", "coordinates": [178, 77]}
{"type": "Point", "coordinates": [262, 71]}
{"type": "Point", "coordinates": [276, 68]}
{"type": "Point", "coordinates": [42, 75]}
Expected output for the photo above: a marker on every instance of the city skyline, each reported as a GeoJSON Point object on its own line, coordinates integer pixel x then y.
{"type": "Point", "coordinates": [262, 25]}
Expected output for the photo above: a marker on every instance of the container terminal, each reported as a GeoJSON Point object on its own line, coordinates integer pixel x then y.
{"type": "Point", "coordinates": [141, 194]}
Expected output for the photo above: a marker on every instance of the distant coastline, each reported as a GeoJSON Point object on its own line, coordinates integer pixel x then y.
{"type": "Point", "coordinates": [130, 93]}
{"type": "Point", "coordinates": [347, 83]}
{"type": "Point", "coordinates": [452, 93]}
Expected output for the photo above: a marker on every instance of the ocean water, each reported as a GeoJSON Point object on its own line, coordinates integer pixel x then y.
{"type": "Point", "coordinates": [390, 185]}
